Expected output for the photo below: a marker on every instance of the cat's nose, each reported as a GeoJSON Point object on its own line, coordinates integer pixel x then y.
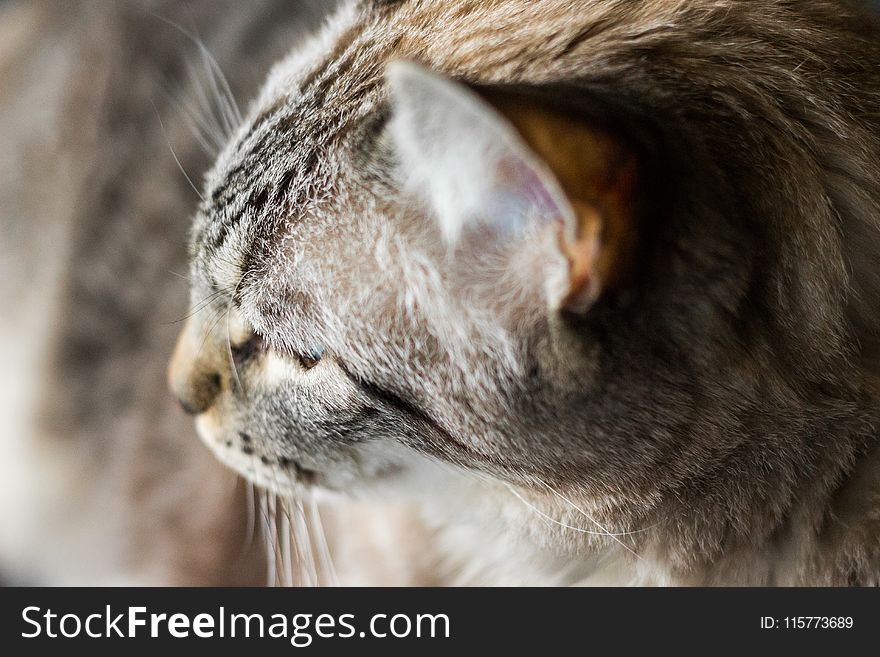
{"type": "Point", "coordinates": [194, 382]}
{"type": "Point", "coordinates": [196, 396]}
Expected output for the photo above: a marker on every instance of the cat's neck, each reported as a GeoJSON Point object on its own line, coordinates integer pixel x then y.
{"type": "Point", "coordinates": [473, 545]}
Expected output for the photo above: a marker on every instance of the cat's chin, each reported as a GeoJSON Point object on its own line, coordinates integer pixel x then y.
{"type": "Point", "coordinates": [263, 476]}
{"type": "Point", "coordinates": [378, 471]}
{"type": "Point", "coordinates": [288, 479]}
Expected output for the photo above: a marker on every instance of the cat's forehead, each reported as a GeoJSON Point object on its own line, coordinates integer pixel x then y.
{"type": "Point", "coordinates": [290, 156]}
{"type": "Point", "coordinates": [293, 155]}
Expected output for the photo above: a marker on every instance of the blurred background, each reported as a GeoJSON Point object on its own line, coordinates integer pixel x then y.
{"type": "Point", "coordinates": [106, 107]}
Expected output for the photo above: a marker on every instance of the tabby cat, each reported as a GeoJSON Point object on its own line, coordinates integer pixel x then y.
{"type": "Point", "coordinates": [558, 292]}
{"type": "Point", "coordinates": [591, 284]}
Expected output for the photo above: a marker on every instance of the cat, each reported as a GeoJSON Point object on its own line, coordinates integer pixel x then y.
{"type": "Point", "coordinates": [589, 284]}
{"type": "Point", "coordinates": [103, 480]}
{"type": "Point", "coordinates": [526, 293]}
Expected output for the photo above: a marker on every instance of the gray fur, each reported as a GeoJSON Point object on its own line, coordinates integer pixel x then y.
{"type": "Point", "coordinates": [725, 410]}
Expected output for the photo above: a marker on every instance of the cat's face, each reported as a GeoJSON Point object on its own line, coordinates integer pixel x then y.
{"type": "Point", "coordinates": [378, 297]}
{"type": "Point", "coordinates": [399, 278]}
{"type": "Point", "coordinates": [395, 278]}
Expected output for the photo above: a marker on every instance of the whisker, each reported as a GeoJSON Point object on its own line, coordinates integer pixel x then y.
{"type": "Point", "coordinates": [230, 114]}
{"type": "Point", "coordinates": [223, 106]}
{"type": "Point", "coordinates": [291, 547]}
{"type": "Point", "coordinates": [212, 324]}
{"type": "Point", "coordinates": [273, 534]}
{"type": "Point", "coordinates": [286, 563]}
{"type": "Point", "coordinates": [307, 553]}
{"type": "Point", "coordinates": [324, 554]}
{"type": "Point", "coordinates": [288, 552]}
{"type": "Point", "coordinates": [292, 544]}
{"type": "Point", "coordinates": [227, 95]}
{"type": "Point", "coordinates": [174, 155]}
{"type": "Point", "coordinates": [206, 107]}
{"type": "Point", "coordinates": [232, 364]}
{"type": "Point", "coordinates": [604, 532]}
{"type": "Point", "coordinates": [198, 308]}
{"type": "Point", "coordinates": [296, 534]}
{"type": "Point", "coordinates": [209, 137]}
{"type": "Point", "coordinates": [251, 516]}
{"type": "Point", "coordinates": [265, 532]}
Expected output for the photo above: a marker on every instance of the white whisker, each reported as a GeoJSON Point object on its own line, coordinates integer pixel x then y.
{"type": "Point", "coordinates": [226, 106]}
{"type": "Point", "coordinates": [324, 554]}
{"type": "Point", "coordinates": [226, 103]}
{"type": "Point", "coordinates": [232, 364]}
{"type": "Point", "coordinates": [287, 564]}
{"type": "Point", "coordinates": [271, 572]}
{"type": "Point", "coordinates": [301, 534]}
{"type": "Point", "coordinates": [273, 513]}
{"type": "Point", "coordinates": [251, 519]}
{"type": "Point", "coordinates": [209, 135]}
{"type": "Point", "coordinates": [604, 532]}
{"type": "Point", "coordinates": [208, 116]}
{"type": "Point", "coordinates": [174, 155]}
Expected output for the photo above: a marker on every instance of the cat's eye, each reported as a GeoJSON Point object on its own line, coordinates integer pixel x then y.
{"type": "Point", "coordinates": [247, 349]}
{"type": "Point", "coordinates": [309, 360]}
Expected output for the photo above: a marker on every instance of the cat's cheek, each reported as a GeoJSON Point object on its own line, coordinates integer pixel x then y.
{"type": "Point", "coordinates": [276, 371]}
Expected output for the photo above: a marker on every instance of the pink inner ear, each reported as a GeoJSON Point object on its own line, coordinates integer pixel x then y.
{"type": "Point", "coordinates": [520, 195]}
{"type": "Point", "coordinates": [585, 282]}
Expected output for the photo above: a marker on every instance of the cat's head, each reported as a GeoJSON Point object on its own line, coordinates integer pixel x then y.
{"type": "Point", "coordinates": [397, 286]}
{"type": "Point", "coordinates": [401, 271]}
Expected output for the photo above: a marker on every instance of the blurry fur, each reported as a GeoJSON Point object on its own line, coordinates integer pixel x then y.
{"type": "Point", "coordinates": [102, 479]}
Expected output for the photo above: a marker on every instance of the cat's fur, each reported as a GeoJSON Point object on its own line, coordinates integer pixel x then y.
{"type": "Point", "coordinates": [714, 410]}
{"type": "Point", "coordinates": [416, 310]}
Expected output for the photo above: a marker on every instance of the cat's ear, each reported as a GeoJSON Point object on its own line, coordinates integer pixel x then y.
{"type": "Point", "coordinates": [517, 168]}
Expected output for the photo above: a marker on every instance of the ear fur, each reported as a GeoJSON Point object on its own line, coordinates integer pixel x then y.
{"type": "Point", "coordinates": [517, 166]}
